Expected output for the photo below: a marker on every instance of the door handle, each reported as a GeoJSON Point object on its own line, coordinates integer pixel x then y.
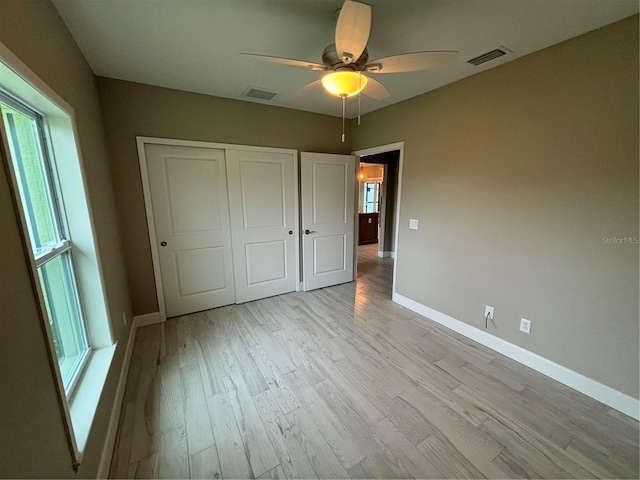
{"type": "Point", "coordinates": [307, 232]}
{"type": "Point", "coordinates": [290, 232]}
{"type": "Point", "coordinates": [163, 244]}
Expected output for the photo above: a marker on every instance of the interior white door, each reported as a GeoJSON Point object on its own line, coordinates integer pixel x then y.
{"type": "Point", "coordinates": [188, 188]}
{"type": "Point", "coordinates": [328, 211]}
{"type": "Point", "coordinates": [264, 227]}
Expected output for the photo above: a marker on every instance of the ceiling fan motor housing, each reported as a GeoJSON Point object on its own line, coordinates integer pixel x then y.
{"type": "Point", "coordinates": [331, 59]}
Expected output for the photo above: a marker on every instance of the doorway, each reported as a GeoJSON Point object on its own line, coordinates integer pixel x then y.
{"type": "Point", "coordinates": [370, 184]}
{"type": "Point", "coordinates": [379, 175]}
{"type": "Point", "coordinates": [378, 186]}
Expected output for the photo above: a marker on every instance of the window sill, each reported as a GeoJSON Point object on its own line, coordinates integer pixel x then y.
{"type": "Point", "coordinates": [84, 403]}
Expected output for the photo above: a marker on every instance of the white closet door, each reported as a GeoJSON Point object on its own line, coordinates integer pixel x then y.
{"type": "Point", "coordinates": [263, 206]}
{"type": "Point", "coordinates": [188, 188]}
{"type": "Point", "coordinates": [328, 211]}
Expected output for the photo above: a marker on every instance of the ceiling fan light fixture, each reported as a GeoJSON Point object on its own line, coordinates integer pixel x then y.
{"type": "Point", "coordinates": [344, 84]}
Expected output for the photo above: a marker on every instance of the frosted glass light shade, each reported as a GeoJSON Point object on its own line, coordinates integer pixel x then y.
{"type": "Point", "coordinates": [344, 84]}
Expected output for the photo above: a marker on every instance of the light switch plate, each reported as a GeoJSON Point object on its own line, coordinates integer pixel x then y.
{"type": "Point", "coordinates": [413, 224]}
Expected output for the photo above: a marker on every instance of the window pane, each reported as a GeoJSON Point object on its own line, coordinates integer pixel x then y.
{"type": "Point", "coordinates": [61, 299]}
{"type": "Point", "coordinates": [369, 192]}
{"type": "Point", "coordinates": [371, 197]}
{"type": "Point", "coordinates": [26, 152]}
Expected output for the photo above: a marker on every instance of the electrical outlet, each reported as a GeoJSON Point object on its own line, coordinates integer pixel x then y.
{"type": "Point", "coordinates": [413, 224]}
{"type": "Point", "coordinates": [488, 311]}
{"type": "Point", "coordinates": [124, 318]}
{"type": "Point", "coordinates": [525, 325]}
{"type": "Point", "coordinates": [488, 315]}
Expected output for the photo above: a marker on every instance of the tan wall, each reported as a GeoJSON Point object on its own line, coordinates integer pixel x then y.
{"type": "Point", "coordinates": [516, 175]}
{"type": "Point", "coordinates": [32, 437]}
{"type": "Point", "coordinates": [131, 109]}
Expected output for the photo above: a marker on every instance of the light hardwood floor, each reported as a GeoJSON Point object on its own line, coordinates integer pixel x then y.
{"type": "Point", "coordinates": [343, 383]}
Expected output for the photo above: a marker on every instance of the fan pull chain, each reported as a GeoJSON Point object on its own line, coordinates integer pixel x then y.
{"type": "Point", "coordinates": [344, 101]}
{"type": "Point", "coordinates": [359, 93]}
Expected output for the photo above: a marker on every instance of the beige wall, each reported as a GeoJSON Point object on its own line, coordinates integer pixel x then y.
{"type": "Point", "coordinates": [32, 437]}
{"type": "Point", "coordinates": [132, 109]}
{"type": "Point", "coordinates": [516, 175]}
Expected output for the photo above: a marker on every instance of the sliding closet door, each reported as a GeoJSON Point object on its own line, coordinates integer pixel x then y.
{"type": "Point", "coordinates": [263, 207]}
{"type": "Point", "coordinates": [188, 188]}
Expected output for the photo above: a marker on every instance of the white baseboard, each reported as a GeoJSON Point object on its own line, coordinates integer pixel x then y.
{"type": "Point", "coordinates": [607, 395]}
{"type": "Point", "coordinates": [386, 254]}
{"type": "Point", "coordinates": [146, 319]}
{"type": "Point", "coordinates": [112, 429]}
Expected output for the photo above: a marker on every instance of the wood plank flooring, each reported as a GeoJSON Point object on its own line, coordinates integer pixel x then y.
{"type": "Point", "coordinates": [343, 383]}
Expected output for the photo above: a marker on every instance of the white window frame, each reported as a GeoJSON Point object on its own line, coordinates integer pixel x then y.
{"type": "Point", "coordinates": [79, 407]}
{"type": "Point", "coordinates": [64, 245]}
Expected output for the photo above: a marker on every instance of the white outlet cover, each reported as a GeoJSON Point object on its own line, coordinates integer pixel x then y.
{"type": "Point", "coordinates": [413, 224]}
{"type": "Point", "coordinates": [525, 325]}
{"type": "Point", "coordinates": [488, 310]}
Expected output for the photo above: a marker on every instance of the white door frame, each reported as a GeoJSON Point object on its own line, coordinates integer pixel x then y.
{"type": "Point", "coordinates": [141, 141]}
{"type": "Point", "coordinates": [372, 151]}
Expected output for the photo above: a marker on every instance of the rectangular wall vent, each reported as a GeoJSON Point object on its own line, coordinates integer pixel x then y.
{"type": "Point", "coordinates": [258, 93]}
{"type": "Point", "coordinates": [487, 57]}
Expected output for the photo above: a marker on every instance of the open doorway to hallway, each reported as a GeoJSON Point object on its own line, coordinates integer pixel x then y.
{"type": "Point", "coordinates": [377, 205]}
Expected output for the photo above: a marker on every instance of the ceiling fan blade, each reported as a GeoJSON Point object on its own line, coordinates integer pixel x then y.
{"type": "Point", "coordinates": [412, 62]}
{"type": "Point", "coordinates": [310, 87]}
{"type": "Point", "coordinates": [374, 89]}
{"type": "Point", "coordinates": [286, 61]}
{"type": "Point", "coordinates": [352, 30]}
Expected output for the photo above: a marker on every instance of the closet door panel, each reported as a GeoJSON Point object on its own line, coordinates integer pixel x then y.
{"type": "Point", "coordinates": [189, 201]}
{"type": "Point", "coordinates": [263, 208]}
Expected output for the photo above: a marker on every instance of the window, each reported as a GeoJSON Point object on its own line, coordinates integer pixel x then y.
{"type": "Point", "coordinates": [371, 193]}
{"type": "Point", "coordinates": [40, 148]}
{"type": "Point", "coordinates": [50, 242]}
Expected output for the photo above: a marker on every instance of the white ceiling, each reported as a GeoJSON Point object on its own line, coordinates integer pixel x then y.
{"type": "Point", "coordinates": [195, 45]}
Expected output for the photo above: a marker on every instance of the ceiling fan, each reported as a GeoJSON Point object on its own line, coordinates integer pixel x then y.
{"type": "Point", "coordinates": [348, 59]}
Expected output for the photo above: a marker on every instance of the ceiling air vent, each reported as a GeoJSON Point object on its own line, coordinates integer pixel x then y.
{"type": "Point", "coordinates": [258, 93]}
{"type": "Point", "coordinates": [487, 57]}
